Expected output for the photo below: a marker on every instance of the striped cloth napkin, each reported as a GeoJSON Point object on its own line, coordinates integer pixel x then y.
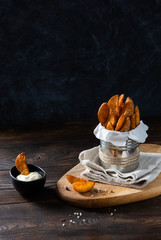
{"type": "Point", "coordinates": [148, 169]}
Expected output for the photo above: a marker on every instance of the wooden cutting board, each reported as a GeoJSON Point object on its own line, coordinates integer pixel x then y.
{"type": "Point", "coordinates": [103, 195]}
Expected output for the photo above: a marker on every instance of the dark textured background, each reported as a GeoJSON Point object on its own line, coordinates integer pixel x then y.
{"type": "Point", "coordinates": [61, 59]}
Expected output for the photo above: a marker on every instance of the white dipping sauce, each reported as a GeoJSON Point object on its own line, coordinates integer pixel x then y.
{"type": "Point", "coordinates": [30, 177]}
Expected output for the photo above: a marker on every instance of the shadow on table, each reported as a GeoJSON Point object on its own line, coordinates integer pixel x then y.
{"type": "Point", "coordinates": [46, 194]}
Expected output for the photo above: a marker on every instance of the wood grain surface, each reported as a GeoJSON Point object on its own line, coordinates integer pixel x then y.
{"type": "Point", "coordinates": [55, 147]}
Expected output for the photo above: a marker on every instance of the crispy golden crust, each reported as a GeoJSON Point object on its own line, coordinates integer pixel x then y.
{"type": "Point", "coordinates": [112, 117]}
{"type": "Point", "coordinates": [79, 184]}
{"type": "Point", "coordinates": [117, 115]}
{"type": "Point", "coordinates": [82, 187]}
{"type": "Point", "coordinates": [104, 124]}
{"type": "Point", "coordinates": [113, 103]}
{"type": "Point", "coordinates": [128, 108]}
{"type": "Point", "coordinates": [109, 126]}
{"type": "Point", "coordinates": [133, 124]}
{"type": "Point", "coordinates": [73, 179]}
{"type": "Point", "coordinates": [121, 99]}
{"type": "Point", "coordinates": [126, 126]}
{"type": "Point", "coordinates": [120, 122]}
{"type": "Point", "coordinates": [137, 115]}
{"type": "Point", "coordinates": [103, 113]}
{"type": "Point", "coordinates": [21, 164]}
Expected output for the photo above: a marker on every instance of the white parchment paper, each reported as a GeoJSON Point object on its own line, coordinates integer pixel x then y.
{"type": "Point", "coordinates": [117, 138]}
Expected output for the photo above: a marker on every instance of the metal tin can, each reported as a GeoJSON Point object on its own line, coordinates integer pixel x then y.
{"type": "Point", "coordinates": [124, 158]}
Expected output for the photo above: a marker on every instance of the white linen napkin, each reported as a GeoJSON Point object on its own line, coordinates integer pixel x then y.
{"type": "Point", "coordinates": [148, 169]}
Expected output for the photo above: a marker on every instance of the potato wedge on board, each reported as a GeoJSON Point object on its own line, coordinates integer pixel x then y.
{"type": "Point", "coordinates": [82, 187]}
{"type": "Point", "coordinates": [73, 179]}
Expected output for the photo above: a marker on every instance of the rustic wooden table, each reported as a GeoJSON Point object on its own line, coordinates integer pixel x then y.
{"type": "Point", "coordinates": [55, 147]}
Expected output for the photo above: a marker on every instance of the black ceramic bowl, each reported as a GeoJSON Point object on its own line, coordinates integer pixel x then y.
{"type": "Point", "coordinates": [26, 188]}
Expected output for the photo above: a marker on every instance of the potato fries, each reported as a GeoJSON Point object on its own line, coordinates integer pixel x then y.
{"type": "Point", "coordinates": [128, 108]}
{"type": "Point", "coordinates": [79, 184]}
{"type": "Point", "coordinates": [126, 126]}
{"type": "Point", "coordinates": [109, 126]}
{"type": "Point", "coordinates": [113, 104]}
{"type": "Point", "coordinates": [73, 179]}
{"type": "Point", "coordinates": [137, 116]}
{"type": "Point", "coordinates": [103, 113]}
{"type": "Point", "coordinates": [133, 121]}
{"type": "Point", "coordinates": [117, 115]}
{"type": "Point", "coordinates": [21, 164]}
{"type": "Point", "coordinates": [112, 117]}
{"type": "Point", "coordinates": [121, 99]}
{"type": "Point", "coordinates": [120, 122]}
{"type": "Point", "coordinates": [82, 187]}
